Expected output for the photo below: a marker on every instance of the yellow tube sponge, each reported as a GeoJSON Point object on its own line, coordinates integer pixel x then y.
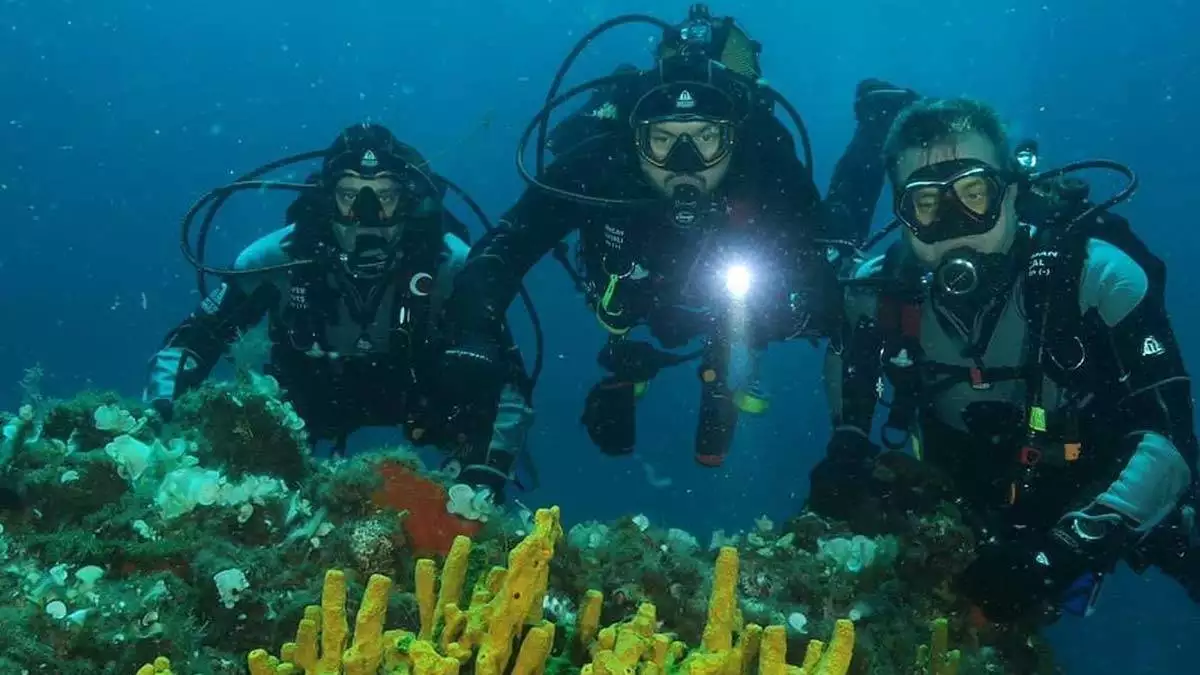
{"type": "Point", "coordinates": [526, 566]}
{"type": "Point", "coordinates": [748, 642]}
{"type": "Point", "coordinates": [258, 661]}
{"type": "Point", "coordinates": [834, 659]}
{"type": "Point", "coordinates": [722, 604]}
{"type": "Point", "coordinates": [589, 618]}
{"type": "Point", "coordinates": [937, 658]}
{"type": "Point", "coordinates": [303, 652]}
{"type": "Point", "coordinates": [454, 622]}
{"type": "Point", "coordinates": [426, 660]}
{"type": "Point", "coordinates": [454, 576]}
{"type": "Point", "coordinates": [327, 626]}
{"type": "Point", "coordinates": [366, 651]}
{"type": "Point", "coordinates": [772, 651]}
{"type": "Point", "coordinates": [659, 650]}
{"type": "Point", "coordinates": [535, 649]}
{"type": "Point", "coordinates": [503, 602]}
{"type": "Point", "coordinates": [426, 578]}
{"type": "Point", "coordinates": [334, 628]}
{"type": "Point", "coordinates": [160, 666]}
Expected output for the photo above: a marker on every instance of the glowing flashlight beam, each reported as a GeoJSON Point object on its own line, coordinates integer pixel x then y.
{"type": "Point", "coordinates": [737, 281]}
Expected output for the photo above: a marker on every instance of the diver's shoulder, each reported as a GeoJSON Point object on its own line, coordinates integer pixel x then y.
{"type": "Point", "coordinates": [270, 249]}
{"type": "Point", "coordinates": [455, 249]}
{"type": "Point", "coordinates": [1112, 281]}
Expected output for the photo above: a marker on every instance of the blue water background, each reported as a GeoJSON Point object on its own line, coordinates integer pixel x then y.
{"type": "Point", "coordinates": [115, 116]}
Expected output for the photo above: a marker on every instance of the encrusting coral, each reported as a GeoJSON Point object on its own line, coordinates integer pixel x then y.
{"type": "Point", "coordinates": [133, 538]}
{"type": "Point", "coordinates": [508, 601]}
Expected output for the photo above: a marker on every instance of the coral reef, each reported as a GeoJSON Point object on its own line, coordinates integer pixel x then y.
{"type": "Point", "coordinates": [506, 609]}
{"type": "Point", "coordinates": [130, 539]}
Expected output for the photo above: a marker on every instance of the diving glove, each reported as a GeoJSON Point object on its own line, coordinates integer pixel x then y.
{"type": "Point", "coordinates": [877, 103]}
{"type": "Point", "coordinates": [1012, 579]}
{"type": "Point", "coordinates": [841, 481]}
{"type": "Point", "coordinates": [164, 408]}
{"type": "Point", "coordinates": [610, 415]}
{"type": "Point", "coordinates": [470, 378]}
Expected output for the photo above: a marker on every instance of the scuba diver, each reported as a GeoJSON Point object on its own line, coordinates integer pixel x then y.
{"type": "Point", "coordinates": [695, 219]}
{"type": "Point", "coordinates": [1023, 330]}
{"type": "Point", "coordinates": [352, 289]}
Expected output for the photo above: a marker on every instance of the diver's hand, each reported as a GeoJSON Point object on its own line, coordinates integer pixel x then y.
{"type": "Point", "coordinates": [164, 408]}
{"type": "Point", "coordinates": [808, 305]}
{"type": "Point", "coordinates": [1011, 580]}
{"type": "Point", "coordinates": [877, 103]}
{"type": "Point", "coordinates": [469, 380]}
{"type": "Point", "coordinates": [840, 482]}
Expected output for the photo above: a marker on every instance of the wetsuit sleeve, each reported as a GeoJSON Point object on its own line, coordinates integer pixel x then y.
{"type": "Point", "coordinates": [778, 181]}
{"type": "Point", "coordinates": [781, 180]}
{"type": "Point", "coordinates": [852, 369]}
{"type": "Point", "coordinates": [1146, 374]}
{"type": "Point", "coordinates": [854, 190]}
{"type": "Point", "coordinates": [859, 175]}
{"type": "Point", "coordinates": [492, 276]}
{"type": "Point", "coordinates": [192, 349]}
{"type": "Point", "coordinates": [514, 414]}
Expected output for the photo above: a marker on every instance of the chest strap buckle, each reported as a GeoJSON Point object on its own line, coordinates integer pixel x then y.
{"type": "Point", "coordinates": [977, 381]}
{"type": "Point", "coordinates": [1030, 456]}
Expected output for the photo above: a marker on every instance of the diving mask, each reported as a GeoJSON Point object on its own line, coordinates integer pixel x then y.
{"type": "Point", "coordinates": [951, 199]}
{"type": "Point", "coordinates": [710, 115]}
{"type": "Point", "coordinates": [384, 203]}
{"type": "Point", "coordinates": [685, 152]}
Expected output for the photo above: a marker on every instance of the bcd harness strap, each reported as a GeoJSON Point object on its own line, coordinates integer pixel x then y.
{"type": "Point", "coordinates": [1050, 437]}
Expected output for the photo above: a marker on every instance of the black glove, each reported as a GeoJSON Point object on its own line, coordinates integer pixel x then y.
{"type": "Point", "coordinates": [1011, 580]}
{"type": "Point", "coordinates": [610, 415]}
{"type": "Point", "coordinates": [164, 407]}
{"type": "Point", "coordinates": [841, 481]}
{"type": "Point", "coordinates": [804, 299]}
{"type": "Point", "coordinates": [876, 102]}
{"type": "Point", "coordinates": [469, 380]}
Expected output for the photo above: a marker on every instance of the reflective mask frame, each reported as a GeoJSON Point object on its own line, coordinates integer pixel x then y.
{"type": "Point", "coordinates": [685, 154]}
{"type": "Point", "coordinates": [953, 217]}
{"type": "Point", "coordinates": [413, 189]}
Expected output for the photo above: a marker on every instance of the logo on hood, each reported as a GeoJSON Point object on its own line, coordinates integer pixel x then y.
{"type": "Point", "coordinates": [1152, 347]}
{"type": "Point", "coordinates": [369, 161]}
{"type": "Point", "coordinates": [420, 284]}
{"type": "Point", "coordinates": [685, 101]}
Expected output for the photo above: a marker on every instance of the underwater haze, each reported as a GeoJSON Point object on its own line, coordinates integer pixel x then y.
{"type": "Point", "coordinates": [117, 115]}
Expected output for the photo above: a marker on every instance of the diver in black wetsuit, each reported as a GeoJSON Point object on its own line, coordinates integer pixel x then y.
{"type": "Point", "coordinates": [351, 289]}
{"type": "Point", "coordinates": [1025, 334]}
{"type": "Point", "coordinates": [695, 218]}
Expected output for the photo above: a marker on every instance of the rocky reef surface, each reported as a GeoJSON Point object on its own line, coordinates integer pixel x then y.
{"type": "Point", "coordinates": [124, 539]}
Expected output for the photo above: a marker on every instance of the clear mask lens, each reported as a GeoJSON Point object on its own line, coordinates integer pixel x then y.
{"type": "Point", "coordinates": [965, 202]}
{"type": "Point", "coordinates": [667, 148]}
